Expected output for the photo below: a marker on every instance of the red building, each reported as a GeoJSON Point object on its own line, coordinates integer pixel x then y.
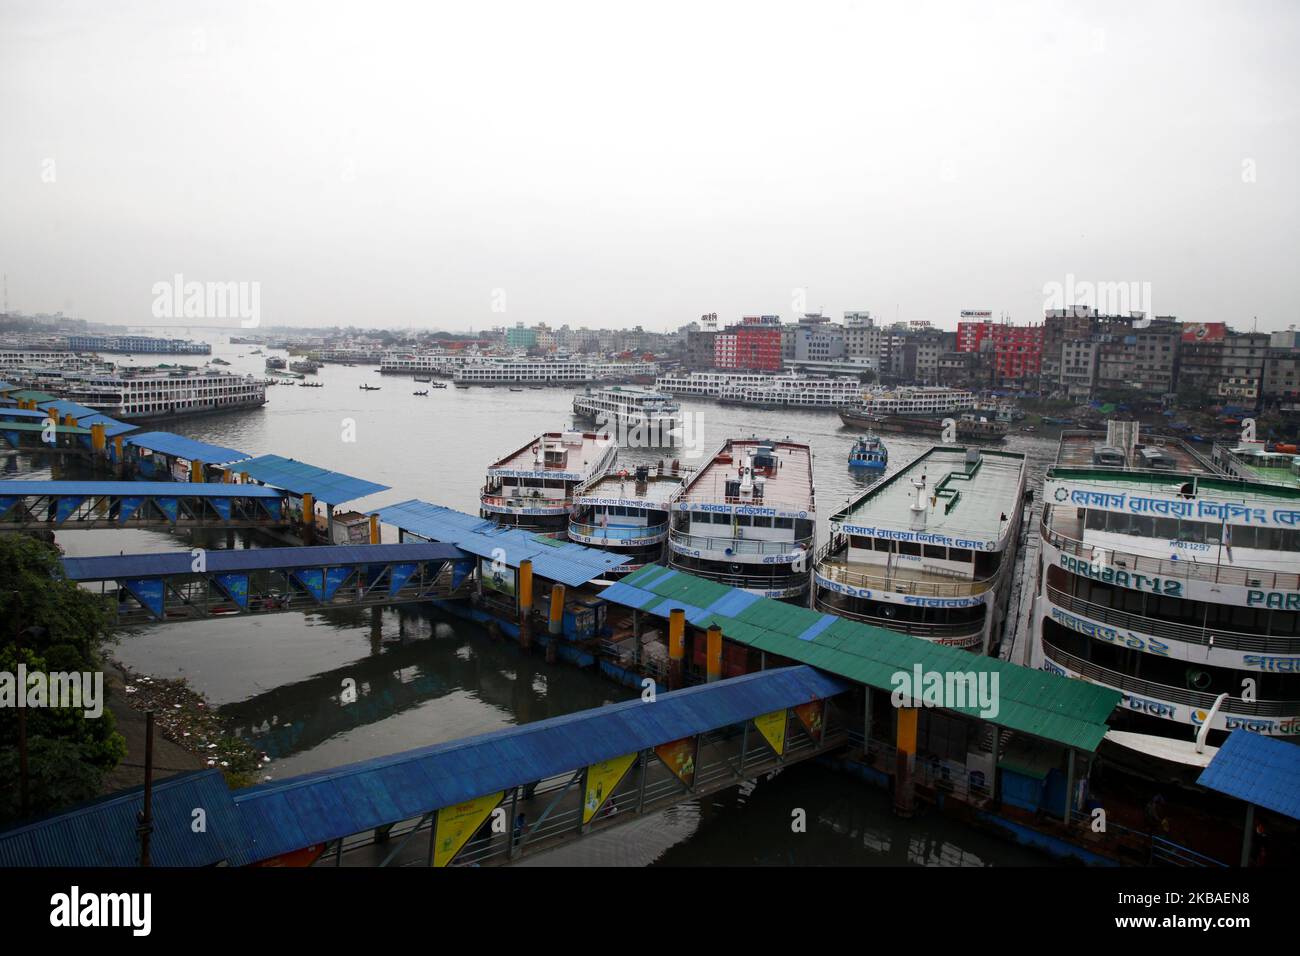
{"type": "Point", "coordinates": [754, 344]}
{"type": "Point", "coordinates": [1017, 349]}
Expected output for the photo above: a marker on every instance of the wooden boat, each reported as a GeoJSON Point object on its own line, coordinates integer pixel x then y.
{"type": "Point", "coordinates": [369, 388]}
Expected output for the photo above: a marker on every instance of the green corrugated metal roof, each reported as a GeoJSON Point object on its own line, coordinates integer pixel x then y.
{"type": "Point", "coordinates": [1068, 711]}
{"type": "Point", "coordinates": [28, 393]}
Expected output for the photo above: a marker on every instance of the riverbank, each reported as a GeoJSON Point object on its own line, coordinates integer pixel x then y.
{"type": "Point", "coordinates": [188, 734]}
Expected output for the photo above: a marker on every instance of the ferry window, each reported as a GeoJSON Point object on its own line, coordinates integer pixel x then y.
{"type": "Point", "coordinates": [720, 518]}
{"type": "Point", "coordinates": [782, 522]}
{"type": "Point", "coordinates": [1096, 520]}
{"type": "Point", "coordinates": [762, 521]}
{"type": "Point", "coordinates": [1191, 531]}
{"type": "Point", "coordinates": [1167, 529]}
{"type": "Point", "coordinates": [959, 554]}
{"type": "Point", "coordinates": [1118, 522]}
{"type": "Point", "coordinates": [909, 547]}
{"type": "Point", "coordinates": [881, 544]}
{"type": "Point", "coordinates": [743, 521]}
{"type": "Point", "coordinates": [1283, 622]}
{"type": "Point", "coordinates": [1238, 537]}
{"type": "Point", "coordinates": [935, 551]}
{"type": "Point", "coordinates": [803, 528]}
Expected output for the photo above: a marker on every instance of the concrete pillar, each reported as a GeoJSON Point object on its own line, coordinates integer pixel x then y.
{"type": "Point", "coordinates": [525, 607]}
{"type": "Point", "coordinates": [713, 655]}
{"type": "Point", "coordinates": [676, 646]}
{"type": "Point", "coordinates": [905, 749]}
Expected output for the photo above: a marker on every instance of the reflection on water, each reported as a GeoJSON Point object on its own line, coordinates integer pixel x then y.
{"type": "Point", "coordinates": [423, 677]}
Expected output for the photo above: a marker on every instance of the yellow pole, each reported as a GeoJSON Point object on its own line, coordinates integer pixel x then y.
{"type": "Point", "coordinates": [676, 646]}
{"type": "Point", "coordinates": [526, 603]}
{"type": "Point", "coordinates": [905, 748]}
{"type": "Point", "coordinates": [227, 476]}
{"type": "Point", "coordinates": [374, 529]}
{"type": "Point", "coordinates": [713, 655]}
{"type": "Point", "coordinates": [97, 439]}
{"type": "Point", "coordinates": [308, 518]}
{"type": "Point", "coordinates": [557, 609]}
{"type": "Point", "coordinates": [196, 471]}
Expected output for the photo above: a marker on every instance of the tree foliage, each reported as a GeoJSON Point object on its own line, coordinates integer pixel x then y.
{"type": "Point", "coordinates": [50, 624]}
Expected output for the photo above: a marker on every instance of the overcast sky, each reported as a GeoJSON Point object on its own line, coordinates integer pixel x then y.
{"type": "Point", "coordinates": [615, 164]}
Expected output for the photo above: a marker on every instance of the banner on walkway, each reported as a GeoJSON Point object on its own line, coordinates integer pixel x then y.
{"type": "Point", "coordinates": [454, 825]}
{"type": "Point", "coordinates": [602, 778]}
{"type": "Point", "coordinates": [772, 727]}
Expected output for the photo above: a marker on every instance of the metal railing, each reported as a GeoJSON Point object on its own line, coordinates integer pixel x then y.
{"type": "Point", "coordinates": [521, 502]}
{"type": "Point", "coordinates": [966, 629]}
{"type": "Point", "coordinates": [1156, 849]}
{"type": "Point", "coordinates": [794, 583]}
{"type": "Point", "coordinates": [1186, 570]}
{"type": "Point", "coordinates": [1168, 693]}
{"type": "Point", "coordinates": [617, 533]}
{"type": "Point", "coordinates": [904, 585]}
{"type": "Point", "coordinates": [1186, 633]}
{"type": "Point", "coordinates": [739, 546]}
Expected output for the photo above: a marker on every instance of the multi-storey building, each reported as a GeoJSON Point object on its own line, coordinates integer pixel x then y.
{"type": "Point", "coordinates": [862, 339]}
{"type": "Point", "coordinates": [753, 344]}
{"type": "Point", "coordinates": [1144, 359]}
{"type": "Point", "coordinates": [1016, 350]}
{"type": "Point", "coordinates": [1222, 364]}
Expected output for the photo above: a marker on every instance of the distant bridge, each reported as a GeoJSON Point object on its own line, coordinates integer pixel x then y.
{"type": "Point", "coordinates": [171, 505]}
{"type": "Point", "coordinates": [191, 585]}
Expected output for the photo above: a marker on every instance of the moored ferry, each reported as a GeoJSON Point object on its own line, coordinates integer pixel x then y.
{"type": "Point", "coordinates": [869, 452]}
{"type": "Point", "coordinates": [930, 550]}
{"type": "Point", "coordinates": [139, 394]}
{"type": "Point", "coordinates": [533, 486]}
{"type": "Point", "coordinates": [967, 427]}
{"type": "Point", "coordinates": [748, 518]}
{"type": "Point", "coordinates": [626, 513]}
{"type": "Point", "coordinates": [1174, 584]}
{"type": "Point", "coordinates": [652, 415]}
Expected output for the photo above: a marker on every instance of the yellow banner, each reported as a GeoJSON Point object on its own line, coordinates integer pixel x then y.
{"type": "Point", "coordinates": [456, 824]}
{"type": "Point", "coordinates": [602, 778]}
{"type": "Point", "coordinates": [772, 727]}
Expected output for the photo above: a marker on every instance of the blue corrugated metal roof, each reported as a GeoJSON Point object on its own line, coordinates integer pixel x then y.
{"type": "Point", "coordinates": [566, 562]}
{"type": "Point", "coordinates": [181, 447]}
{"type": "Point", "coordinates": [112, 427]}
{"type": "Point", "coordinates": [114, 567]}
{"type": "Point", "coordinates": [139, 489]}
{"type": "Point", "coordinates": [331, 487]}
{"type": "Point", "coordinates": [314, 808]}
{"type": "Point", "coordinates": [102, 833]}
{"type": "Point", "coordinates": [12, 413]}
{"type": "Point", "coordinates": [76, 409]}
{"type": "Point", "coordinates": [1258, 769]}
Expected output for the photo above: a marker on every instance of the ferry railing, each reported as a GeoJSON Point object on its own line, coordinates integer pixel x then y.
{"type": "Point", "coordinates": [524, 501]}
{"type": "Point", "coordinates": [1187, 570]}
{"type": "Point", "coordinates": [617, 533]}
{"type": "Point", "coordinates": [742, 545]}
{"type": "Point", "coordinates": [1186, 633]}
{"type": "Point", "coordinates": [967, 629]}
{"type": "Point", "coordinates": [797, 581]}
{"type": "Point", "coordinates": [1167, 693]}
{"type": "Point", "coordinates": [904, 585]}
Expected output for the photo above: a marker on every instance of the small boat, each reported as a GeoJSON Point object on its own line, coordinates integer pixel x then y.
{"type": "Point", "coordinates": [516, 390]}
{"type": "Point", "coordinates": [425, 392]}
{"type": "Point", "coordinates": [423, 378]}
{"type": "Point", "coordinates": [534, 388]}
{"type": "Point", "coordinates": [868, 452]}
{"type": "Point", "coordinates": [437, 384]}
{"type": "Point", "coordinates": [369, 388]}
{"type": "Point", "coordinates": [311, 384]}
{"type": "Point", "coordinates": [462, 384]}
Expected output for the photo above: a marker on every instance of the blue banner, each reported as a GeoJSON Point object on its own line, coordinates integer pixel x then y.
{"type": "Point", "coordinates": [65, 506]}
{"type": "Point", "coordinates": [400, 574]}
{"type": "Point", "coordinates": [235, 586]}
{"type": "Point", "coordinates": [460, 570]}
{"type": "Point", "coordinates": [168, 506]}
{"type": "Point", "coordinates": [333, 578]}
{"type": "Point", "coordinates": [126, 508]}
{"type": "Point", "coordinates": [149, 592]}
{"type": "Point", "coordinates": [313, 581]}
{"type": "Point", "coordinates": [7, 503]}
{"type": "Point", "coordinates": [222, 507]}
{"type": "Point", "coordinates": [146, 466]}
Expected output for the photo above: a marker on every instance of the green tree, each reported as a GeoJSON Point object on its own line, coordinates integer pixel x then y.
{"type": "Point", "coordinates": [50, 624]}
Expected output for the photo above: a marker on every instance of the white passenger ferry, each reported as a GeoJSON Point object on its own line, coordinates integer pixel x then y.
{"type": "Point", "coordinates": [147, 393]}
{"type": "Point", "coordinates": [1174, 584]}
{"type": "Point", "coordinates": [533, 486]}
{"type": "Point", "coordinates": [626, 513]}
{"type": "Point", "coordinates": [915, 400]}
{"type": "Point", "coordinates": [930, 550]}
{"type": "Point", "coordinates": [748, 518]}
{"type": "Point", "coordinates": [624, 408]}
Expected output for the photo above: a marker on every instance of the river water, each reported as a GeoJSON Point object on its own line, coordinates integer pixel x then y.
{"type": "Point", "coordinates": [423, 677]}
